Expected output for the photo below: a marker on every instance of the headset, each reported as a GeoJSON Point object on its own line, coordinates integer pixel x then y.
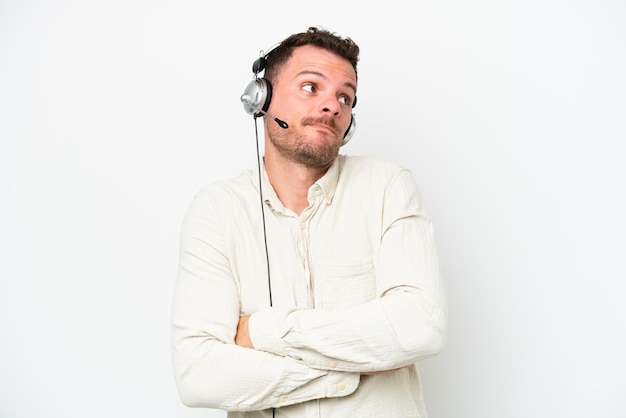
{"type": "Point", "coordinates": [258, 95]}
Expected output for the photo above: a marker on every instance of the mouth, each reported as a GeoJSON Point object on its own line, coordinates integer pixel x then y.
{"type": "Point", "coordinates": [323, 127]}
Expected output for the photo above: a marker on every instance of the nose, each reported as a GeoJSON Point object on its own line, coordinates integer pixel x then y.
{"type": "Point", "coordinates": [331, 105]}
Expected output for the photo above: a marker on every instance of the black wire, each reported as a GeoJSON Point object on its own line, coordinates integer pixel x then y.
{"type": "Point", "coordinates": [267, 255]}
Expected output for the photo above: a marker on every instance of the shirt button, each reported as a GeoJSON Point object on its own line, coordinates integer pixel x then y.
{"type": "Point", "coordinates": [303, 225]}
{"type": "Point", "coordinates": [332, 365]}
{"type": "Point", "coordinates": [341, 387]}
{"type": "Point", "coordinates": [282, 399]}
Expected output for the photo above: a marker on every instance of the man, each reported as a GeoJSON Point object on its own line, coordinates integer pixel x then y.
{"type": "Point", "coordinates": [309, 289]}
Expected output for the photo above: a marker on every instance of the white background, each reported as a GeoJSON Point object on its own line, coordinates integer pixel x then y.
{"type": "Point", "coordinates": [510, 114]}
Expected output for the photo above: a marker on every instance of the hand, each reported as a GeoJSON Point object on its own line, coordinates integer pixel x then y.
{"type": "Point", "coordinates": [242, 338]}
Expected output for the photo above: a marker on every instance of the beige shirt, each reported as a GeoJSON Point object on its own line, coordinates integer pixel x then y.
{"type": "Point", "coordinates": [355, 288]}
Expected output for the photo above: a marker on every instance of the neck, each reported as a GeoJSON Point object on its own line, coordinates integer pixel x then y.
{"type": "Point", "coordinates": [291, 181]}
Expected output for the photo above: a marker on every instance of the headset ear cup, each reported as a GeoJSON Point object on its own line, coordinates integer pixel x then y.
{"type": "Point", "coordinates": [268, 95]}
{"type": "Point", "coordinates": [259, 95]}
{"type": "Point", "coordinates": [350, 132]}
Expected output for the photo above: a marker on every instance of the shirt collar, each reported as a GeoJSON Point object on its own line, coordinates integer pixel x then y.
{"type": "Point", "coordinates": [327, 183]}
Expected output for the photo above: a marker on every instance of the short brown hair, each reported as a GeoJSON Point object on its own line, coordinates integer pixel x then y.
{"type": "Point", "coordinates": [322, 38]}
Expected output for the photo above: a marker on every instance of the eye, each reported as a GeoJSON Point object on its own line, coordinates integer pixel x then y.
{"type": "Point", "coordinates": [345, 100]}
{"type": "Point", "coordinates": [309, 88]}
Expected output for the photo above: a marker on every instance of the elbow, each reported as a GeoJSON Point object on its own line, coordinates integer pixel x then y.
{"type": "Point", "coordinates": [204, 386]}
{"type": "Point", "coordinates": [194, 395]}
{"type": "Point", "coordinates": [425, 344]}
{"type": "Point", "coordinates": [432, 340]}
{"type": "Point", "coordinates": [188, 392]}
{"type": "Point", "coordinates": [193, 381]}
{"type": "Point", "coordinates": [424, 337]}
{"type": "Point", "coordinates": [192, 401]}
{"type": "Point", "coordinates": [435, 343]}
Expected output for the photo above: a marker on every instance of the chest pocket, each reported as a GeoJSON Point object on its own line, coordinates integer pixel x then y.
{"type": "Point", "coordinates": [341, 286]}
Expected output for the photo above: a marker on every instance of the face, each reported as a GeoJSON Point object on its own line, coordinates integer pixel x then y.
{"type": "Point", "coordinates": [313, 93]}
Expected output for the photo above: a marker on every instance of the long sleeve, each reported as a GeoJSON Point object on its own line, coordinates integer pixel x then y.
{"type": "Point", "coordinates": [403, 323]}
{"type": "Point", "coordinates": [209, 369]}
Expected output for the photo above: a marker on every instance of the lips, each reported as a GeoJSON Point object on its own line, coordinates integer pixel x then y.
{"type": "Point", "coordinates": [323, 127]}
{"type": "Point", "coordinates": [324, 124]}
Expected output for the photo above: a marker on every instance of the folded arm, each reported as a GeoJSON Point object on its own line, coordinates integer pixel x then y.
{"type": "Point", "coordinates": [404, 323]}
{"type": "Point", "coordinates": [209, 368]}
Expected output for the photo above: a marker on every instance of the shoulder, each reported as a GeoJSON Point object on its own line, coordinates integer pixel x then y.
{"type": "Point", "coordinates": [223, 197]}
{"type": "Point", "coordinates": [229, 188]}
{"type": "Point", "coordinates": [369, 167]}
{"type": "Point", "coordinates": [383, 177]}
{"type": "Point", "coordinates": [218, 205]}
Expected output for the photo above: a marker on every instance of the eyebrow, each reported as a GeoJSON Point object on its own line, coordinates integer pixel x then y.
{"type": "Point", "coordinates": [347, 84]}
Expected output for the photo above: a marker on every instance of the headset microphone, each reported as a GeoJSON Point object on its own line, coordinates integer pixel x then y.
{"type": "Point", "coordinates": [252, 109]}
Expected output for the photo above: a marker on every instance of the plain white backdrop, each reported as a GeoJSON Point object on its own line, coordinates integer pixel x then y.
{"type": "Point", "coordinates": [510, 114]}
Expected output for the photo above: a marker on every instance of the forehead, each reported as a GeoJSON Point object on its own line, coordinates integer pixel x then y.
{"type": "Point", "coordinates": [311, 59]}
